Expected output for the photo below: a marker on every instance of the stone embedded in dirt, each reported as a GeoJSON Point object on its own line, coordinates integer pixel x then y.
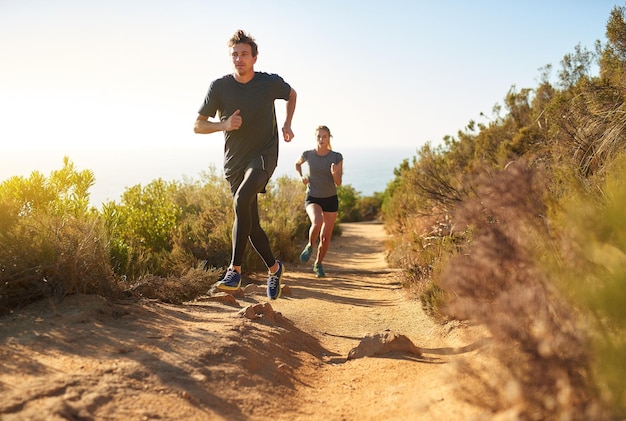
{"type": "Point", "coordinates": [237, 293]}
{"type": "Point", "coordinates": [383, 343]}
{"type": "Point", "coordinates": [258, 311]}
{"type": "Point", "coordinates": [249, 313]}
{"type": "Point", "coordinates": [286, 290]}
{"type": "Point", "coordinates": [222, 297]}
{"type": "Point", "coordinates": [250, 288]}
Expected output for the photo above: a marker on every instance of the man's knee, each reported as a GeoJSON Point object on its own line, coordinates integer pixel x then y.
{"type": "Point", "coordinates": [244, 196]}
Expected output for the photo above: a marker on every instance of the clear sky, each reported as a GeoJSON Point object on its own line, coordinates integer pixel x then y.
{"type": "Point", "coordinates": [133, 73]}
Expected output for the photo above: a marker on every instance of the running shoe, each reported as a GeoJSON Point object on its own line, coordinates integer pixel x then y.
{"type": "Point", "coordinates": [319, 270]}
{"type": "Point", "coordinates": [306, 253]}
{"type": "Point", "coordinates": [230, 282]}
{"type": "Point", "coordinates": [273, 282]}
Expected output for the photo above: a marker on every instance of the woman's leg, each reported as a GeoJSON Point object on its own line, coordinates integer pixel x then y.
{"type": "Point", "coordinates": [326, 234]}
{"type": "Point", "coordinates": [314, 211]}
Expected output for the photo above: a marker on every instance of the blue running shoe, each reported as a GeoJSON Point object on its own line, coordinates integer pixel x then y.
{"type": "Point", "coordinates": [319, 270]}
{"type": "Point", "coordinates": [306, 253]}
{"type": "Point", "coordinates": [273, 282]}
{"type": "Point", "coordinates": [230, 282]}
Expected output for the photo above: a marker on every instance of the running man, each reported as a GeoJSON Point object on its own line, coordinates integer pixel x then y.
{"type": "Point", "coordinates": [244, 103]}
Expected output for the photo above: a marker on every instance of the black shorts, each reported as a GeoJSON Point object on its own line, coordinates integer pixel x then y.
{"type": "Point", "coordinates": [262, 162]}
{"type": "Point", "coordinates": [328, 204]}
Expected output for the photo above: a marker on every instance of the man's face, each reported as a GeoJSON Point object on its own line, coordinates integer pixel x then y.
{"type": "Point", "coordinates": [243, 62]}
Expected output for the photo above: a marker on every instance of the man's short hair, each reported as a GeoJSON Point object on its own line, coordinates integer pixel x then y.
{"type": "Point", "coordinates": [241, 37]}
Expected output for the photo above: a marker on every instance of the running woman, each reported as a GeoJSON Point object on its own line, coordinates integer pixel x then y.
{"type": "Point", "coordinates": [321, 202]}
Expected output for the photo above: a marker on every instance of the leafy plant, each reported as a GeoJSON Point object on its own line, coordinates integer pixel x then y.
{"type": "Point", "coordinates": [50, 242]}
{"type": "Point", "coordinates": [592, 267]}
{"type": "Point", "coordinates": [141, 228]}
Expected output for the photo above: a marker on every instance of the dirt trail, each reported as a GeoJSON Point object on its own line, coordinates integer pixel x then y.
{"type": "Point", "coordinates": [89, 358]}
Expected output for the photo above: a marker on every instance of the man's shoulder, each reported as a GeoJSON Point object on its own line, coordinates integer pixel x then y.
{"type": "Point", "coordinates": [265, 77]}
{"type": "Point", "coordinates": [266, 74]}
{"type": "Point", "coordinates": [224, 79]}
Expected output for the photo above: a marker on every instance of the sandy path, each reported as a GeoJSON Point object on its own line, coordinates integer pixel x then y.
{"type": "Point", "coordinates": [89, 358]}
{"type": "Point", "coordinates": [360, 296]}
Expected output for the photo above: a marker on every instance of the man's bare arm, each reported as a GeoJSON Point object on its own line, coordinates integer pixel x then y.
{"type": "Point", "coordinates": [204, 126]}
{"type": "Point", "coordinates": [291, 108]}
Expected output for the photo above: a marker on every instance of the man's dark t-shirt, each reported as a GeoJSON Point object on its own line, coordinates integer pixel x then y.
{"type": "Point", "coordinates": [258, 134]}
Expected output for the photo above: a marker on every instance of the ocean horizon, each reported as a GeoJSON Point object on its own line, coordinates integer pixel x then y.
{"type": "Point", "coordinates": [367, 170]}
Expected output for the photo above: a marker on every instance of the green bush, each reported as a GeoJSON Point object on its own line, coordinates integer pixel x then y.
{"type": "Point", "coordinates": [349, 199]}
{"type": "Point", "coordinates": [141, 228]}
{"type": "Point", "coordinates": [591, 266]}
{"type": "Point", "coordinates": [283, 217]}
{"type": "Point", "coordinates": [50, 242]}
{"type": "Point", "coordinates": [204, 230]}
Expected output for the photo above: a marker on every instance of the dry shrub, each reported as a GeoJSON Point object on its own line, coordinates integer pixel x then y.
{"type": "Point", "coordinates": [499, 283]}
{"type": "Point", "coordinates": [422, 249]}
{"type": "Point", "coordinates": [176, 289]}
{"type": "Point", "coordinates": [53, 256]}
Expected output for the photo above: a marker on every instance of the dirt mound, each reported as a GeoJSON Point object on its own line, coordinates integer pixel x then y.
{"type": "Point", "coordinates": [382, 344]}
{"type": "Point", "coordinates": [241, 357]}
